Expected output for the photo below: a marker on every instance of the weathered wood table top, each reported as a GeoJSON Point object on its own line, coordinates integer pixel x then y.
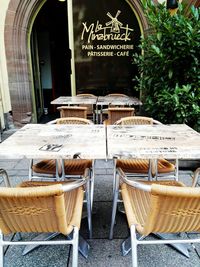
{"type": "Point", "coordinates": [118, 100]}
{"type": "Point", "coordinates": [69, 100]}
{"type": "Point", "coordinates": [176, 141]}
{"type": "Point", "coordinates": [39, 141]}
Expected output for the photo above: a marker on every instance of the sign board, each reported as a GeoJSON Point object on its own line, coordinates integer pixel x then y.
{"type": "Point", "coordinates": [106, 34]}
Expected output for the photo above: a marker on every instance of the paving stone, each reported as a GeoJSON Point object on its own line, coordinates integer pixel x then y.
{"type": "Point", "coordinates": [101, 220]}
{"type": "Point", "coordinates": [108, 253]}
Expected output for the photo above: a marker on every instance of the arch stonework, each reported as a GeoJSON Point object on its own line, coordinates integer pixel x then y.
{"type": "Point", "coordinates": [18, 23]}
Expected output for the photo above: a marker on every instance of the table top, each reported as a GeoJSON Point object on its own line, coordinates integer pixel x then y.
{"type": "Point", "coordinates": [118, 100]}
{"type": "Point", "coordinates": [100, 100]}
{"type": "Point", "coordinates": [39, 141]}
{"type": "Point", "coordinates": [43, 141]}
{"type": "Point", "coordinates": [153, 141]}
{"type": "Point", "coordinates": [67, 100]}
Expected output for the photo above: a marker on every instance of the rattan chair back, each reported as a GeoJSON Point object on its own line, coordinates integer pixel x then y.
{"type": "Point", "coordinates": [69, 111]}
{"type": "Point", "coordinates": [137, 120]}
{"type": "Point", "coordinates": [115, 114]}
{"type": "Point", "coordinates": [117, 94]}
{"type": "Point", "coordinates": [90, 108]}
{"type": "Point", "coordinates": [82, 95]}
{"type": "Point", "coordinates": [39, 209]}
{"type": "Point", "coordinates": [73, 120]}
{"type": "Point", "coordinates": [169, 207]}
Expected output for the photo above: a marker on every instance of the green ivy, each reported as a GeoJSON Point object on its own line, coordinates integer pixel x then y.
{"type": "Point", "coordinates": [169, 67]}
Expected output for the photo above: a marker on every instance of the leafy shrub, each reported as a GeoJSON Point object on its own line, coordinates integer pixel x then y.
{"type": "Point", "coordinates": [169, 66]}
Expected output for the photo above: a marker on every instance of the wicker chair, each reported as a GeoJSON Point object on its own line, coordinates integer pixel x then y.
{"type": "Point", "coordinates": [90, 108]}
{"type": "Point", "coordinates": [68, 111]}
{"type": "Point", "coordinates": [49, 170]}
{"type": "Point", "coordinates": [159, 207]}
{"type": "Point", "coordinates": [114, 114]}
{"type": "Point", "coordinates": [104, 111]}
{"type": "Point", "coordinates": [135, 167]}
{"type": "Point", "coordinates": [42, 209]}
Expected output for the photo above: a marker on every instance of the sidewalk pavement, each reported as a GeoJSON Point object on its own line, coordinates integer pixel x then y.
{"type": "Point", "coordinates": [103, 252]}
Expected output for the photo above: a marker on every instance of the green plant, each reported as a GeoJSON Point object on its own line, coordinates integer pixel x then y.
{"type": "Point", "coordinates": [169, 66]}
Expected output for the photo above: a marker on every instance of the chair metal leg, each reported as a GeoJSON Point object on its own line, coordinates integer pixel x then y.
{"type": "Point", "coordinates": [60, 169]}
{"type": "Point", "coordinates": [43, 236]}
{"type": "Point", "coordinates": [150, 171]}
{"type": "Point", "coordinates": [1, 249]}
{"type": "Point", "coordinates": [83, 245]}
{"type": "Point", "coordinates": [18, 236]}
{"type": "Point", "coordinates": [115, 173]}
{"type": "Point", "coordinates": [93, 114]}
{"type": "Point", "coordinates": [57, 177]}
{"type": "Point", "coordinates": [182, 248]}
{"type": "Point", "coordinates": [5, 177]}
{"type": "Point", "coordinates": [176, 169]}
{"type": "Point", "coordinates": [134, 246]}
{"type": "Point", "coordinates": [30, 171]}
{"type": "Point", "coordinates": [101, 115]}
{"type": "Point", "coordinates": [89, 210]}
{"type": "Point", "coordinates": [126, 246]}
{"type": "Point", "coordinates": [92, 175]}
{"type": "Point", "coordinates": [75, 247]}
{"type": "Point", "coordinates": [114, 206]}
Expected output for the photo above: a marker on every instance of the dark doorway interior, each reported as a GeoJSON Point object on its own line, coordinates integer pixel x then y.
{"type": "Point", "coordinates": [50, 36]}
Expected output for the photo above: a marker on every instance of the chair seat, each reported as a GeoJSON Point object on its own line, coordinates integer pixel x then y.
{"type": "Point", "coordinates": [142, 165]}
{"type": "Point", "coordinates": [72, 166]}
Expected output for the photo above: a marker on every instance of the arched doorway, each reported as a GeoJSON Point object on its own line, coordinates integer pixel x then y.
{"type": "Point", "coordinates": [20, 18]}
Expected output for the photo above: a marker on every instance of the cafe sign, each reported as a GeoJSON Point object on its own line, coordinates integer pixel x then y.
{"type": "Point", "coordinates": [95, 37]}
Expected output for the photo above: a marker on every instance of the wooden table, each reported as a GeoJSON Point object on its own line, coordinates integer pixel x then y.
{"type": "Point", "coordinates": [43, 141]}
{"type": "Point", "coordinates": [176, 141]}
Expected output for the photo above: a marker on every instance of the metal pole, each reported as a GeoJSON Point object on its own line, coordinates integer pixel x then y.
{"type": "Point", "coordinates": [71, 45]}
